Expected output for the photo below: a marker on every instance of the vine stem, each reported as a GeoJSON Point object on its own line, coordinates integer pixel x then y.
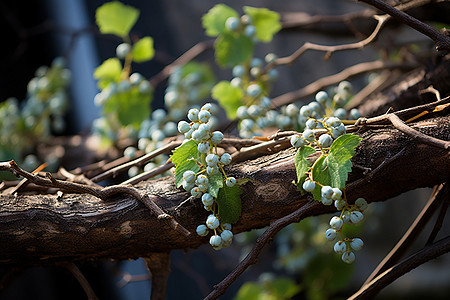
{"type": "Point", "coordinates": [442, 41]}
{"type": "Point", "coordinates": [267, 236]}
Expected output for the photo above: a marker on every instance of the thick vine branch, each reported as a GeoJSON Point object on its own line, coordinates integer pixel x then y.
{"type": "Point", "coordinates": [40, 229]}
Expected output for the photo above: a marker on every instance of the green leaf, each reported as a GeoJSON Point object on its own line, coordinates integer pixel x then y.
{"type": "Point", "coordinates": [116, 18]}
{"type": "Point", "coordinates": [228, 96]}
{"type": "Point", "coordinates": [232, 49]}
{"type": "Point", "coordinates": [250, 291]}
{"type": "Point", "coordinates": [229, 204]}
{"type": "Point", "coordinates": [214, 20]}
{"type": "Point", "coordinates": [143, 49]}
{"type": "Point", "coordinates": [184, 158]}
{"type": "Point", "coordinates": [215, 184]}
{"type": "Point", "coordinates": [267, 22]}
{"type": "Point", "coordinates": [109, 71]}
{"type": "Point", "coordinates": [131, 107]}
{"type": "Point", "coordinates": [302, 165]}
{"type": "Point", "coordinates": [284, 288]}
{"type": "Point", "coordinates": [333, 169]}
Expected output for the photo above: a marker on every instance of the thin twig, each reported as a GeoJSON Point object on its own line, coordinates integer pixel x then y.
{"type": "Point", "coordinates": [270, 232]}
{"type": "Point", "coordinates": [426, 139]}
{"type": "Point", "coordinates": [428, 253]}
{"type": "Point", "coordinates": [441, 41]}
{"type": "Point", "coordinates": [81, 279]}
{"type": "Point", "coordinates": [323, 82]}
{"type": "Point", "coordinates": [136, 162]}
{"type": "Point", "coordinates": [189, 55]}
{"type": "Point", "coordinates": [440, 219]}
{"type": "Point", "coordinates": [149, 174]}
{"type": "Point", "coordinates": [331, 49]}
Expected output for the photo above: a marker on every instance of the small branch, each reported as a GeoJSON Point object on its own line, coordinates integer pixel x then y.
{"type": "Point", "coordinates": [323, 82]}
{"type": "Point", "coordinates": [426, 139]}
{"type": "Point", "coordinates": [136, 162]}
{"type": "Point", "coordinates": [411, 235]}
{"type": "Point", "coordinates": [267, 236]}
{"type": "Point", "coordinates": [331, 49]}
{"type": "Point", "coordinates": [159, 266]}
{"type": "Point", "coordinates": [189, 55]}
{"type": "Point", "coordinates": [441, 216]}
{"type": "Point", "coordinates": [81, 280]}
{"type": "Point", "coordinates": [441, 41]}
{"type": "Point", "coordinates": [149, 174]}
{"type": "Point", "coordinates": [428, 253]}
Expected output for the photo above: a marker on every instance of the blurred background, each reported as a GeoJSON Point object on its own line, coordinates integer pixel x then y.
{"type": "Point", "coordinates": [36, 32]}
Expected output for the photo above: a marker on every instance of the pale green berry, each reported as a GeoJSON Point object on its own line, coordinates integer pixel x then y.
{"type": "Point", "coordinates": [325, 140]}
{"type": "Point", "coordinates": [326, 191]}
{"type": "Point", "coordinates": [203, 147]}
{"type": "Point", "coordinates": [336, 223]}
{"type": "Point", "coordinates": [225, 159]}
{"type": "Point", "coordinates": [212, 170]}
{"type": "Point", "coordinates": [330, 234]}
{"type": "Point", "coordinates": [309, 185]}
{"type": "Point", "coordinates": [326, 201]}
{"type": "Point", "coordinates": [348, 257]}
{"type": "Point", "coordinates": [254, 90]}
{"type": "Point", "coordinates": [361, 203]}
{"type": "Point", "coordinates": [226, 226]}
{"type": "Point", "coordinates": [250, 30]}
{"type": "Point", "coordinates": [196, 192]}
{"type": "Point", "coordinates": [232, 23]}
{"type": "Point", "coordinates": [212, 222]}
{"type": "Point", "coordinates": [297, 141]}
{"type": "Point", "coordinates": [339, 204]}
{"type": "Point", "coordinates": [189, 176]}
{"type": "Point", "coordinates": [193, 114]}
{"type": "Point", "coordinates": [122, 50]}
{"type": "Point", "coordinates": [207, 199]}
{"type": "Point", "coordinates": [202, 230]}
{"type": "Point", "coordinates": [337, 194]}
{"type": "Point", "coordinates": [226, 235]}
{"type": "Point", "coordinates": [311, 124]}
{"type": "Point", "coordinates": [322, 97]}
{"type": "Point", "coordinates": [230, 181]}
{"type": "Point", "coordinates": [309, 136]}
{"type": "Point", "coordinates": [340, 247]}
{"type": "Point", "coordinates": [204, 116]}
{"type": "Point", "coordinates": [202, 179]}
{"type": "Point", "coordinates": [356, 244]}
{"type": "Point", "coordinates": [356, 217]}
{"type": "Point", "coordinates": [212, 160]}
{"type": "Point", "coordinates": [238, 71]}
{"type": "Point", "coordinates": [217, 137]}
{"type": "Point", "coordinates": [216, 242]}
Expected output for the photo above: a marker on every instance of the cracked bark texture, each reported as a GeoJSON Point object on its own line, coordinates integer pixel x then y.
{"type": "Point", "coordinates": [41, 229]}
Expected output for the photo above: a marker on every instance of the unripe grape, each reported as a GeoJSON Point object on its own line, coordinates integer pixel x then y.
{"type": "Point", "coordinates": [326, 191]}
{"type": "Point", "coordinates": [247, 124]}
{"type": "Point", "coordinates": [340, 113]}
{"type": "Point", "coordinates": [322, 97]}
{"type": "Point", "coordinates": [311, 124]}
{"type": "Point", "coordinates": [340, 247]}
{"type": "Point", "coordinates": [196, 192]}
{"type": "Point", "coordinates": [136, 78]}
{"type": "Point", "coordinates": [309, 185]}
{"type": "Point", "coordinates": [339, 204]}
{"type": "Point", "coordinates": [158, 135]}
{"type": "Point", "coordinates": [309, 136]}
{"type": "Point", "coordinates": [265, 102]}
{"type": "Point", "coordinates": [144, 87]}
{"type": "Point", "coordinates": [208, 107]}
{"type": "Point", "coordinates": [212, 222]}
{"type": "Point", "coordinates": [297, 141]}
{"type": "Point", "coordinates": [333, 122]}
{"type": "Point", "coordinates": [273, 74]}
{"type": "Point", "coordinates": [130, 152]}
{"type": "Point", "coordinates": [354, 114]}
{"type": "Point", "coordinates": [325, 140]}
{"type": "Point", "coordinates": [356, 217]}
{"type": "Point", "coordinates": [348, 257]}
{"type": "Point", "coordinates": [170, 129]}
{"type": "Point", "coordinates": [202, 179]}
{"type": "Point", "coordinates": [326, 201]}
{"type": "Point", "coordinates": [236, 82]}
{"type": "Point", "coordinates": [361, 203]}
{"type": "Point", "coordinates": [207, 199]}
{"type": "Point", "coordinates": [255, 72]}
{"type": "Point", "coordinates": [250, 30]}
{"type": "Point", "coordinates": [238, 71]}
{"type": "Point", "coordinates": [188, 186]}
{"type": "Point", "coordinates": [337, 194]}
{"type": "Point", "coordinates": [212, 160]}
{"type": "Point", "coordinates": [189, 176]}
{"type": "Point", "coordinates": [193, 114]}
{"type": "Point", "coordinates": [202, 230]}
{"type": "Point", "coordinates": [230, 181]}
{"type": "Point", "coordinates": [227, 226]}
{"type": "Point", "coordinates": [253, 90]}
{"type": "Point", "coordinates": [203, 147]}
{"type": "Point", "coordinates": [336, 223]}
{"type": "Point", "coordinates": [122, 50]}
{"type": "Point", "coordinates": [292, 110]}
{"type": "Point", "coordinates": [226, 235]}
{"type": "Point", "coordinates": [232, 23]}
{"type": "Point", "coordinates": [212, 170]}
{"type": "Point", "coordinates": [241, 112]}
{"type": "Point", "coordinates": [356, 244]}
{"type": "Point", "coordinates": [225, 159]}
{"type": "Point", "coordinates": [254, 110]}
{"type": "Point", "coordinates": [305, 111]}
{"type": "Point", "coordinates": [215, 241]}
{"type": "Point", "coordinates": [256, 63]}
{"type": "Point", "coordinates": [330, 234]}
{"type": "Point", "coordinates": [203, 116]}
{"type": "Point", "coordinates": [270, 57]}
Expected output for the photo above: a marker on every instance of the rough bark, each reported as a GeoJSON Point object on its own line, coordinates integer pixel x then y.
{"type": "Point", "coordinates": [40, 229]}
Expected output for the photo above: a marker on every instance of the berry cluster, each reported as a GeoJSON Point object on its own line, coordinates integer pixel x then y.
{"type": "Point", "coordinates": [243, 25]}
{"type": "Point", "coordinates": [41, 114]}
{"type": "Point", "coordinates": [351, 214]}
{"type": "Point", "coordinates": [197, 183]}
